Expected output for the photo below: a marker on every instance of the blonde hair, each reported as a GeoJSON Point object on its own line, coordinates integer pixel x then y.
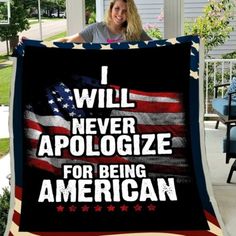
{"type": "Point", "coordinates": [133, 27]}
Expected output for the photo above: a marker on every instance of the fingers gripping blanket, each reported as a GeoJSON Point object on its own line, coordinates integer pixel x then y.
{"type": "Point", "coordinates": [107, 140]}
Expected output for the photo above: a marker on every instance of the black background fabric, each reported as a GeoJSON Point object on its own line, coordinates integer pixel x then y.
{"type": "Point", "coordinates": [160, 69]}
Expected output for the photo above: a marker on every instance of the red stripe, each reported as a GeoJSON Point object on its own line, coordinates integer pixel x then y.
{"type": "Point", "coordinates": [105, 160]}
{"type": "Point", "coordinates": [176, 130]}
{"type": "Point", "coordinates": [167, 169]}
{"type": "Point", "coordinates": [154, 107]}
{"type": "Point", "coordinates": [182, 233]}
{"type": "Point", "coordinates": [96, 160]}
{"type": "Point", "coordinates": [16, 218]}
{"type": "Point", "coordinates": [52, 130]}
{"type": "Point", "coordinates": [43, 165]}
{"type": "Point", "coordinates": [151, 94]}
{"type": "Point", "coordinates": [47, 129]}
{"type": "Point", "coordinates": [179, 153]}
{"type": "Point", "coordinates": [18, 192]}
{"type": "Point", "coordinates": [33, 143]}
{"type": "Point", "coordinates": [33, 125]}
{"type": "Point", "coordinates": [211, 218]}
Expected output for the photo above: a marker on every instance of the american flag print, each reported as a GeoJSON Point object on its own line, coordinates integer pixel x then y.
{"type": "Point", "coordinates": [154, 112]}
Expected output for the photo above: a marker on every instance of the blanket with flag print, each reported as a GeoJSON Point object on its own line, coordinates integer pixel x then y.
{"type": "Point", "coordinates": [107, 140]}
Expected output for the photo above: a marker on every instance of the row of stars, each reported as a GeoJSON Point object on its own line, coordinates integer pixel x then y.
{"type": "Point", "coordinates": [109, 208]}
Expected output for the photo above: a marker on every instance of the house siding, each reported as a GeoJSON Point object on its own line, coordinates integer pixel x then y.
{"type": "Point", "coordinates": [149, 11]}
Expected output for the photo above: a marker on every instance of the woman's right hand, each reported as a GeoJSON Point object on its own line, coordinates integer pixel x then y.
{"type": "Point", "coordinates": [22, 38]}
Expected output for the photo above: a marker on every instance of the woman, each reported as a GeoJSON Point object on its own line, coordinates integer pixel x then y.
{"type": "Point", "coordinates": [122, 23]}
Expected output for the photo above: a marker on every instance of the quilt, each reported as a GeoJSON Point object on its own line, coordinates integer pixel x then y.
{"type": "Point", "coordinates": [107, 140]}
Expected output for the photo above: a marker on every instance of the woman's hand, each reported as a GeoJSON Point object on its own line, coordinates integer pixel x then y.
{"type": "Point", "coordinates": [22, 38]}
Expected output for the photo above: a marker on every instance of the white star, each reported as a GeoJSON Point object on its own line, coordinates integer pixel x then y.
{"type": "Point", "coordinates": [65, 105]}
{"type": "Point", "coordinates": [132, 46]}
{"type": "Point", "coordinates": [70, 98]}
{"type": "Point", "coordinates": [72, 114]}
{"type": "Point", "coordinates": [28, 106]}
{"type": "Point", "coordinates": [48, 44]}
{"type": "Point", "coordinates": [78, 46]}
{"type": "Point", "coordinates": [106, 46]}
{"type": "Point", "coordinates": [59, 99]}
{"type": "Point", "coordinates": [56, 110]}
{"type": "Point", "coordinates": [51, 101]}
{"type": "Point", "coordinates": [194, 74]}
{"type": "Point", "coordinates": [172, 41]}
{"type": "Point", "coordinates": [195, 45]}
{"type": "Point", "coordinates": [67, 90]}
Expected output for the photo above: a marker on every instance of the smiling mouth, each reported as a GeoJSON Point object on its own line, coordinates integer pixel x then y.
{"type": "Point", "coordinates": [119, 20]}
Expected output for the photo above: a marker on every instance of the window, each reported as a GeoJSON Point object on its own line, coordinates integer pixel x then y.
{"type": "Point", "coordinates": [4, 11]}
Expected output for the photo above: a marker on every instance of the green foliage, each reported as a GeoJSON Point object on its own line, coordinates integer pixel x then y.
{"type": "Point", "coordinates": [5, 84]}
{"type": "Point", "coordinates": [4, 146]}
{"type": "Point", "coordinates": [153, 31]}
{"type": "Point", "coordinates": [92, 18]}
{"type": "Point", "coordinates": [90, 5]}
{"type": "Point", "coordinates": [3, 12]}
{"type": "Point", "coordinates": [18, 21]}
{"type": "Point", "coordinates": [4, 208]}
{"type": "Point", "coordinates": [57, 36]}
{"type": "Point", "coordinates": [51, 5]}
{"type": "Point", "coordinates": [3, 58]}
{"type": "Point", "coordinates": [214, 26]}
{"type": "Point", "coordinates": [231, 55]}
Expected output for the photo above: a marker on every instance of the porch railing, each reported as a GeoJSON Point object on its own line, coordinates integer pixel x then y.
{"type": "Point", "coordinates": [217, 71]}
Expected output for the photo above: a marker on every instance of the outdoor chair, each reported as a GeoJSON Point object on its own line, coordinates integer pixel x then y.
{"type": "Point", "coordinates": [229, 146]}
{"type": "Point", "coordinates": [224, 107]}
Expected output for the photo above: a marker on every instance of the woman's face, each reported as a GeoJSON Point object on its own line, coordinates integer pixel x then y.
{"type": "Point", "coordinates": [119, 12]}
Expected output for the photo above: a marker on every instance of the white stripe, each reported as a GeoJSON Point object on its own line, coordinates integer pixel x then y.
{"type": "Point", "coordinates": [18, 205]}
{"type": "Point", "coordinates": [145, 98]}
{"type": "Point", "coordinates": [178, 142]}
{"type": "Point", "coordinates": [215, 229]}
{"type": "Point", "coordinates": [56, 121]}
{"type": "Point", "coordinates": [32, 133]}
{"type": "Point", "coordinates": [144, 118]}
{"type": "Point", "coordinates": [55, 161]}
{"type": "Point", "coordinates": [179, 178]}
{"type": "Point", "coordinates": [159, 160]}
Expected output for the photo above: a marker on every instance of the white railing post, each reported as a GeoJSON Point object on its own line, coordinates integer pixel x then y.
{"type": "Point", "coordinates": [206, 89]}
{"type": "Point", "coordinates": [223, 71]}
